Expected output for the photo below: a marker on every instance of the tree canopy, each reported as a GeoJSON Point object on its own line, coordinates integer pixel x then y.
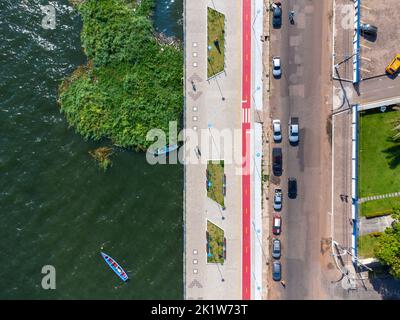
{"type": "Point", "coordinates": [132, 82]}
{"type": "Point", "coordinates": [388, 247]}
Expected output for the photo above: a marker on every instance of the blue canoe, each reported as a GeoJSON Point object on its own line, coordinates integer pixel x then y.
{"type": "Point", "coordinates": [165, 149]}
{"type": "Point", "coordinates": [115, 267]}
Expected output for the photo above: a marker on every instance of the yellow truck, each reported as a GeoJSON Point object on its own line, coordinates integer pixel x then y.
{"type": "Point", "coordinates": [394, 66]}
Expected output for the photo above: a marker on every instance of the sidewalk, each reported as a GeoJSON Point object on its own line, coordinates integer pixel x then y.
{"type": "Point", "coordinates": [266, 135]}
{"type": "Point", "coordinates": [378, 224]}
{"type": "Point", "coordinates": [204, 110]}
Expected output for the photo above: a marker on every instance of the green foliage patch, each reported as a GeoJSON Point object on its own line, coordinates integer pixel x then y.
{"type": "Point", "coordinates": [379, 154]}
{"type": "Point", "coordinates": [132, 83]}
{"type": "Point", "coordinates": [215, 180]}
{"type": "Point", "coordinates": [381, 207]}
{"type": "Point", "coordinates": [216, 42]}
{"type": "Point", "coordinates": [215, 241]}
{"type": "Point", "coordinates": [387, 249]}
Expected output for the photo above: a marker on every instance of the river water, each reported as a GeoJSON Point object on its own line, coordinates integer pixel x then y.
{"type": "Point", "coordinates": [56, 206]}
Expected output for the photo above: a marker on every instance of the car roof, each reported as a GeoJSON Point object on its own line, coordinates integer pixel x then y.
{"type": "Point", "coordinates": [277, 221]}
{"type": "Point", "coordinates": [277, 125]}
{"type": "Point", "coordinates": [277, 265]}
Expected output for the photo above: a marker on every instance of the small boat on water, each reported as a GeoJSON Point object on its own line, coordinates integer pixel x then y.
{"type": "Point", "coordinates": [165, 149]}
{"type": "Point", "coordinates": [115, 267]}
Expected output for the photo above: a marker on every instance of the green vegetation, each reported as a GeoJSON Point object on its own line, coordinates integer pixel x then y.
{"type": "Point", "coordinates": [132, 82]}
{"type": "Point", "coordinates": [367, 243]}
{"type": "Point", "coordinates": [379, 153]}
{"type": "Point", "coordinates": [102, 156]}
{"type": "Point", "coordinates": [215, 181]}
{"type": "Point", "coordinates": [216, 42]}
{"type": "Point", "coordinates": [215, 241]}
{"type": "Point", "coordinates": [381, 207]}
{"type": "Point", "coordinates": [387, 249]}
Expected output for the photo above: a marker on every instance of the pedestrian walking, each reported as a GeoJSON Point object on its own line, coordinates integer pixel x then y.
{"type": "Point", "coordinates": [283, 283]}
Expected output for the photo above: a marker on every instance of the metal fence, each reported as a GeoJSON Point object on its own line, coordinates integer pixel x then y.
{"type": "Point", "coordinates": [354, 181]}
{"type": "Point", "coordinates": [356, 43]}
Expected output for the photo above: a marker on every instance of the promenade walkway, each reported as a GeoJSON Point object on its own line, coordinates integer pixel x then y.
{"type": "Point", "coordinates": [378, 197]}
{"type": "Point", "coordinates": [214, 105]}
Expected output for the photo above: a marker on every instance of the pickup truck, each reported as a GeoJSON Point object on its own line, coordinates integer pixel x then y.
{"type": "Point", "coordinates": [394, 66]}
{"type": "Point", "coordinates": [294, 130]}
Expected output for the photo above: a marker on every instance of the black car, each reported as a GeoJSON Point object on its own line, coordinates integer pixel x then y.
{"type": "Point", "coordinates": [292, 188]}
{"type": "Point", "coordinates": [368, 30]}
{"type": "Point", "coordinates": [276, 271]}
{"type": "Point", "coordinates": [277, 161]}
{"type": "Point", "coordinates": [277, 17]}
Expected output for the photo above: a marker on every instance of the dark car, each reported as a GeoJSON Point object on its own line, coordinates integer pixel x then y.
{"type": "Point", "coordinates": [292, 188]}
{"type": "Point", "coordinates": [276, 271]}
{"type": "Point", "coordinates": [277, 17]}
{"type": "Point", "coordinates": [368, 30]}
{"type": "Point", "coordinates": [277, 161]}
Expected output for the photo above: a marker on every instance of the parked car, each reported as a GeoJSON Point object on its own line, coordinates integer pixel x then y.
{"type": "Point", "coordinates": [276, 271]}
{"type": "Point", "coordinates": [294, 130]}
{"type": "Point", "coordinates": [368, 30]}
{"type": "Point", "coordinates": [276, 248]}
{"type": "Point", "coordinates": [277, 132]}
{"type": "Point", "coordinates": [276, 67]}
{"type": "Point", "coordinates": [394, 66]}
{"type": "Point", "coordinates": [276, 226]}
{"type": "Point", "coordinates": [277, 161]}
{"type": "Point", "coordinates": [278, 199]}
{"type": "Point", "coordinates": [277, 17]}
{"type": "Point", "coordinates": [292, 188]}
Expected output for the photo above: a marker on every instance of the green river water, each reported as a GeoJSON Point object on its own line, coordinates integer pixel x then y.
{"type": "Point", "coordinates": [56, 206]}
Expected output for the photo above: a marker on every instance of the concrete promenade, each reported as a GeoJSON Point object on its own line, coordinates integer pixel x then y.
{"type": "Point", "coordinates": [224, 102]}
{"type": "Point", "coordinates": [206, 112]}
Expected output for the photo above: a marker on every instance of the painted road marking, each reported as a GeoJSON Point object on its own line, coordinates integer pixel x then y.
{"type": "Point", "coordinates": [246, 91]}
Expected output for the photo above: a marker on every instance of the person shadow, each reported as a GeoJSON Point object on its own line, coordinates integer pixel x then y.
{"type": "Point", "coordinates": [216, 44]}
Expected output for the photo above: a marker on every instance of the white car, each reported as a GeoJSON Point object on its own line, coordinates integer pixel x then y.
{"type": "Point", "coordinates": [277, 132]}
{"type": "Point", "coordinates": [294, 130]}
{"type": "Point", "coordinates": [276, 67]}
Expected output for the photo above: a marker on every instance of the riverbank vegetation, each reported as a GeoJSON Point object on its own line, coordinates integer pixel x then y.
{"type": "Point", "coordinates": [102, 156]}
{"type": "Point", "coordinates": [132, 82]}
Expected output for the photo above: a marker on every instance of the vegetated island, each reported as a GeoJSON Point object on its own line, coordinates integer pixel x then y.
{"type": "Point", "coordinates": [133, 79]}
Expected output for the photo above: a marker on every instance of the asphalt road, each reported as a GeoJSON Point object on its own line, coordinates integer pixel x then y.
{"type": "Point", "coordinates": [303, 91]}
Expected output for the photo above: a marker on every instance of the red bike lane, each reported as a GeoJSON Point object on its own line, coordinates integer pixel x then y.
{"type": "Point", "coordinates": [246, 126]}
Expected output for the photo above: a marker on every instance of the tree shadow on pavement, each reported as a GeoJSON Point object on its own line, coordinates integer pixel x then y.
{"type": "Point", "coordinates": [387, 286]}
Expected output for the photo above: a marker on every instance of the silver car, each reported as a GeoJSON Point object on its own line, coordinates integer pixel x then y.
{"type": "Point", "coordinates": [276, 67]}
{"type": "Point", "coordinates": [276, 248]}
{"type": "Point", "coordinates": [277, 132]}
{"type": "Point", "coordinates": [278, 199]}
